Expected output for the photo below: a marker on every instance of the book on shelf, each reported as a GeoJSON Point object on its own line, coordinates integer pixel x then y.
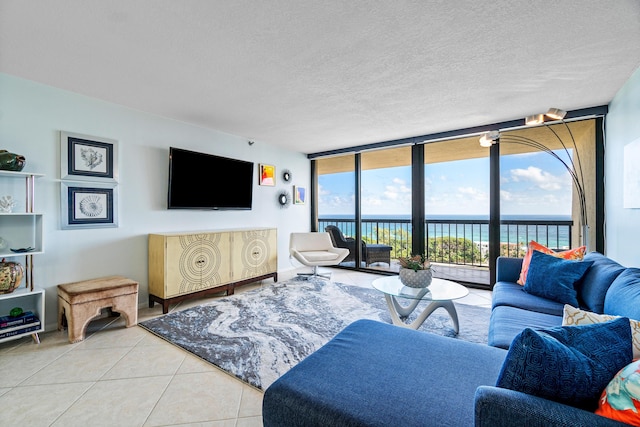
{"type": "Point", "coordinates": [24, 318]}
{"type": "Point", "coordinates": [17, 330]}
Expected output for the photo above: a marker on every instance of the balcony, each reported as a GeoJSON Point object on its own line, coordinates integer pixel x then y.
{"type": "Point", "coordinates": [457, 247]}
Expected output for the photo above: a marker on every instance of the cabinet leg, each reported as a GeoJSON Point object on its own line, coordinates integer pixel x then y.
{"type": "Point", "coordinates": [151, 303]}
{"type": "Point", "coordinates": [165, 307]}
{"type": "Point", "coordinates": [230, 289]}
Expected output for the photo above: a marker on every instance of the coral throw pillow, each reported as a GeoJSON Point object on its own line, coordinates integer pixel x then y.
{"type": "Point", "coordinates": [576, 254]}
{"type": "Point", "coordinates": [621, 399]}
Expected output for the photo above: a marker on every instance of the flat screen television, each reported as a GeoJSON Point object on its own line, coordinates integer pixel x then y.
{"type": "Point", "coordinates": [205, 181]}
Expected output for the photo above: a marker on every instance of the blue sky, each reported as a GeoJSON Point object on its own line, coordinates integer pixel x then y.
{"type": "Point", "coordinates": [531, 184]}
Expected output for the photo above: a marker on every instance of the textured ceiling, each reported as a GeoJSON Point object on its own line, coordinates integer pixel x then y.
{"type": "Point", "coordinates": [314, 75]}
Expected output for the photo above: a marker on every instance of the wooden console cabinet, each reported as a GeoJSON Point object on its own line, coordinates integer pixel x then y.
{"type": "Point", "coordinates": [187, 265]}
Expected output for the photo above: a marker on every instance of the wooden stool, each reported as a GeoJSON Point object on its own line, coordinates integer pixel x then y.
{"type": "Point", "coordinates": [80, 302]}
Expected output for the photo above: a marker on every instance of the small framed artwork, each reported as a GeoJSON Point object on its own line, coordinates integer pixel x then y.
{"type": "Point", "coordinates": [299, 195]}
{"type": "Point", "coordinates": [267, 175]}
{"type": "Point", "coordinates": [88, 158]}
{"type": "Point", "coordinates": [88, 205]}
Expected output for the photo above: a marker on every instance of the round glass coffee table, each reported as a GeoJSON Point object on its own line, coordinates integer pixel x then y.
{"type": "Point", "coordinates": [440, 292]}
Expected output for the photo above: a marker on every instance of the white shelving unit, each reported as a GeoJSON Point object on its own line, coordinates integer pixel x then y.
{"type": "Point", "coordinates": [23, 230]}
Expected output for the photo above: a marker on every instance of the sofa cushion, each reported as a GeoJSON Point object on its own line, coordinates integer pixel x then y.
{"type": "Point", "coordinates": [593, 286]}
{"type": "Point", "coordinates": [513, 295]}
{"type": "Point", "coordinates": [623, 296]}
{"type": "Point", "coordinates": [377, 374]}
{"type": "Point", "coordinates": [555, 278]}
{"type": "Point", "coordinates": [621, 399]}
{"type": "Point", "coordinates": [568, 364]}
{"type": "Point", "coordinates": [507, 322]}
{"type": "Point", "coordinates": [573, 254]}
{"type": "Point", "coordinates": [574, 317]}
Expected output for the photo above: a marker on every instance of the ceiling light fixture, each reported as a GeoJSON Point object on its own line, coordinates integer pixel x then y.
{"type": "Point", "coordinates": [536, 119]}
{"type": "Point", "coordinates": [489, 138]}
{"type": "Point", "coordinates": [556, 113]}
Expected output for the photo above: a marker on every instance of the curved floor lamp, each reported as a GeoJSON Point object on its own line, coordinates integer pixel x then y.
{"type": "Point", "coordinates": [574, 168]}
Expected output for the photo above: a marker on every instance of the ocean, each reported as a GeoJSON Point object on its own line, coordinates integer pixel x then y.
{"type": "Point", "coordinates": [556, 236]}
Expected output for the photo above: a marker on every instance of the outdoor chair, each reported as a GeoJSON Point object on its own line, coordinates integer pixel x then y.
{"type": "Point", "coordinates": [371, 253]}
{"type": "Point", "coordinates": [315, 250]}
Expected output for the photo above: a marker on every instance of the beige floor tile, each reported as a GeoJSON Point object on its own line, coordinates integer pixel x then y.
{"type": "Point", "coordinates": [79, 365]}
{"type": "Point", "coordinates": [125, 402]}
{"type": "Point", "coordinates": [17, 367]}
{"type": "Point", "coordinates": [39, 405]}
{"type": "Point", "coordinates": [4, 390]}
{"type": "Point", "coordinates": [147, 361]}
{"type": "Point", "coordinates": [192, 364]}
{"type": "Point", "coordinates": [199, 397]}
{"type": "Point", "coordinates": [251, 403]}
{"type": "Point", "coordinates": [116, 334]}
{"type": "Point", "coordinates": [249, 422]}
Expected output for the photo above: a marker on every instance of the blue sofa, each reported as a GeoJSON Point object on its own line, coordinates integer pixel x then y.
{"type": "Point", "coordinates": [375, 374]}
{"type": "Point", "coordinates": [607, 287]}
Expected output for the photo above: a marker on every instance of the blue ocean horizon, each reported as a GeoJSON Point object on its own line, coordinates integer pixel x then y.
{"type": "Point", "coordinates": [554, 236]}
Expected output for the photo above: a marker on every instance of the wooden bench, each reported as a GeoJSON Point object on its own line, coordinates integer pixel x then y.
{"type": "Point", "coordinates": [80, 302]}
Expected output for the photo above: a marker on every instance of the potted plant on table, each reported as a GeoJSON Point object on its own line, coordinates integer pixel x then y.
{"type": "Point", "coordinates": [415, 271]}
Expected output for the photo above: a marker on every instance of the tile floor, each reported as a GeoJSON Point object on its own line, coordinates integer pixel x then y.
{"type": "Point", "coordinates": [128, 377]}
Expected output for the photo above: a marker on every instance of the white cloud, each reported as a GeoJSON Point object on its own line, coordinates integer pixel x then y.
{"type": "Point", "coordinates": [540, 178]}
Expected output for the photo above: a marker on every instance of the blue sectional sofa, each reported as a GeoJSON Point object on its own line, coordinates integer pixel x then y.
{"type": "Point", "coordinates": [606, 288]}
{"type": "Point", "coordinates": [375, 374]}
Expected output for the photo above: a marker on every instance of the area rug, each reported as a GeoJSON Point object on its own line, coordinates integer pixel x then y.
{"type": "Point", "coordinates": [260, 334]}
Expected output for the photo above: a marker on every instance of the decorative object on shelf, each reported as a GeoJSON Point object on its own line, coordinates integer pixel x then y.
{"type": "Point", "coordinates": [284, 199]}
{"type": "Point", "coordinates": [7, 203]}
{"type": "Point", "coordinates": [300, 195]}
{"type": "Point", "coordinates": [88, 158]}
{"type": "Point", "coordinates": [10, 276]}
{"type": "Point", "coordinates": [286, 175]}
{"type": "Point", "coordinates": [16, 311]}
{"type": "Point", "coordinates": [415, 271]}
{"type": "Point", "coordinates": [22, 250]}
{"type": "Point", "coordinates": [88, 205]}
{"type": "Point", "coordinates": [267, 175]}
{"type": "Point", "coordinates": [573, 167]}
{"type": "Point", "coordinates": [11, 162]}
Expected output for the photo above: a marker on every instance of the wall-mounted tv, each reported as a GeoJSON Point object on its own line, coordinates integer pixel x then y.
{"type": "Point", "coordinates": [204, 181]}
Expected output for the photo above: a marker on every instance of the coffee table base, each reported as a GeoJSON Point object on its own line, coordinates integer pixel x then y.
{"type": "Point", "coordinates": [398, 312]}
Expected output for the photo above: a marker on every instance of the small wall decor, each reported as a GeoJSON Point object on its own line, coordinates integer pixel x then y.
{"type": "Point", "coordinates": [284, 199]}
{"type": "Point", "coordinates": [11, 162]}
{"type": "Point", "coordinates": [286, 175]}
{"type": "Point", "coordinates": [88, 158]}
{"type": "Point", "coordinates": [299, 195]}
{"type": "Point", "coordinates": [267, 175]}
{"type": "Point", "coordinates": [88, 205]}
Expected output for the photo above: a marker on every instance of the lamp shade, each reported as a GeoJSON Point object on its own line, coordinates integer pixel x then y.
{"type": "Point", "coordinates": [536, 119]}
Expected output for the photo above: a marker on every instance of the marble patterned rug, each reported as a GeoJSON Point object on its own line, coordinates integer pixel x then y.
{"type": "Point", "coordinates": [260, 334]}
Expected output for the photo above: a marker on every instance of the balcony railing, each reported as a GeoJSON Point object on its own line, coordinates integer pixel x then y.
{"type": "Point", "coordinates": [459, 242]}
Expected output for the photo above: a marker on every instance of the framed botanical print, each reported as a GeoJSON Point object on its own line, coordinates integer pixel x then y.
{"type": "Point", "coordinates": [88, 158]}
{"type": "Point", "coordinates": [88, 205]}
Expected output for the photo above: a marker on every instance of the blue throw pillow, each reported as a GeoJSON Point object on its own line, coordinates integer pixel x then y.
{"type": "Point", "coordinates": [567, 364]}
{"type": "Point", "coordinates": [555, 278]}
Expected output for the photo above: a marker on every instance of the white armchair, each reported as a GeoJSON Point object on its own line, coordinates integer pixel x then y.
{"type": "Point", "coordinates": [315, 250]}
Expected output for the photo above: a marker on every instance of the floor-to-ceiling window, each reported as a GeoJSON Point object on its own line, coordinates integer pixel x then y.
{"type": "Point", "coordinates": [438, 197]}
{"type": "Point", "coordinates": [456, 187]}
{"type": "Point", "coordinates": [336, 202]}
{"type": "Point", "coordinates": [386, 206]}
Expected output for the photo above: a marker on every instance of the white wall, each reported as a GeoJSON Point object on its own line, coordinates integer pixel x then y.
{"type": "Point", "coordinates": [31, 117]}
{"type": "Point", "coordinates": [622, 226]}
